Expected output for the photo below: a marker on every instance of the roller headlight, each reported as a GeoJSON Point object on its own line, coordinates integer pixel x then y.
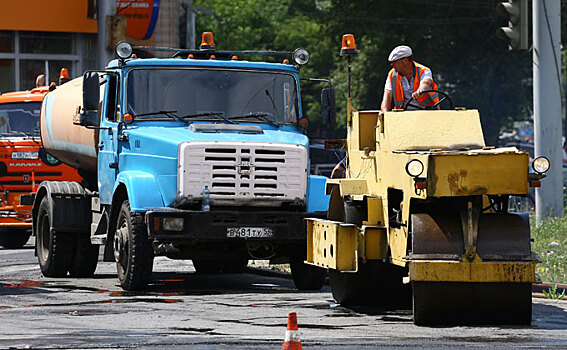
{"type": "Point", "coordinates": [414, 167]}
{"type": "Point", "coordinates": [300, 56]}
{"type": "Point", "coordinates": [172, 224]}
{"type": "Point", "coordinates": [540, 165]}
{"type": "Point", "coordinates": [123, 50]}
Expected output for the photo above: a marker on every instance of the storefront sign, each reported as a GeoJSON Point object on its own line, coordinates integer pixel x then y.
{"type": "Point", "coordinates": [142, 16]}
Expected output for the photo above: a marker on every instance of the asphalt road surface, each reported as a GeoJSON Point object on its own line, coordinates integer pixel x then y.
{"type": "Point", "coordinates": [182, 310]}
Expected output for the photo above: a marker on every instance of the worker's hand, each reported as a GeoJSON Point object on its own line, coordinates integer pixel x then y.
{"type": "Point", "coordinates": [417, 93]}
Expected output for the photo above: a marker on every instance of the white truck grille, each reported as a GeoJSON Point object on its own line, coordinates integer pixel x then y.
{"type": "Point", "coordinates": [243, 173]}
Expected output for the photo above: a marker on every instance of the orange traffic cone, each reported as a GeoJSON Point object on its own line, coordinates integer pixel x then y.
{"type": "Point", "coordinates": [291, 341]}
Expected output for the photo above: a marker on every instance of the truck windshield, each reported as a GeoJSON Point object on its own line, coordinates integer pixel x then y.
{"type": "Point", "coordinates": [203, 92]}
{"type": "Point", "coordinates": [19, 119]}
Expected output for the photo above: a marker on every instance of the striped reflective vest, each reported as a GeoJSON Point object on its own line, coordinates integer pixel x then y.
{"type": "Point", "coordinates": [425, 100]}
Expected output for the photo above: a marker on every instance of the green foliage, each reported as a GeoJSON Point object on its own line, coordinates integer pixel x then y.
{"type": "Point", "coordinates": [456, 39]}
{"type": "Point", "coordinates": [550, 243]}
{"type": "Point", "coordinates": [553, 293]}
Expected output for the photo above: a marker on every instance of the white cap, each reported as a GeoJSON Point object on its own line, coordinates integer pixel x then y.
{"type": "Point", "coordinates": [400, 52]}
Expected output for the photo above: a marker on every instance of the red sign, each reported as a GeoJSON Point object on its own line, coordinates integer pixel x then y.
{"type": "Point", "coordinates": [141, 17]}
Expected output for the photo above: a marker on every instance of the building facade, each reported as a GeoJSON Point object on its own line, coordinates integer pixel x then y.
{"type": "Point", "coordinates": [41, 37]}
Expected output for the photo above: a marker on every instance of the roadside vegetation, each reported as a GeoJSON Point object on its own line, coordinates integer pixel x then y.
{"type": "Point", "coordinates": [550, 243]}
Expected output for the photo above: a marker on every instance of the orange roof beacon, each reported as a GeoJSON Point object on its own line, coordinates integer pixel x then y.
{"type": "Point", "coordinates": [24, 163]}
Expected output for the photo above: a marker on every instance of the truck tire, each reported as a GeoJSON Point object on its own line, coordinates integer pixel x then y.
{"type": "Point", "coordinates": [306, 277]}
{"type": "Point", "coordinates": [236, 265]}
{"type": "Point", "coordinates": [14, 239]}
{"type": "Point", "coordinates": [54, 249]}
{"type": "Point", "coordinates": [85, 257]}
{"type": "Point", "coordinates": [132, 249]}
{"type": "Point", "coordinates": [207, 266]}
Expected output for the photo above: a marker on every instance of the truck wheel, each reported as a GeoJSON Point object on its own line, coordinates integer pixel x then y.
{"type": "Point", "coordinates": [54, 249]}
{"type": "Point", "coordinates": [85, 257]}
{"type": "Point", "coordinates": [237, 265]}
{"type": "Point", "coordinates": [14, 239]}
{"type": "Point", "coordinates": [132, 249]}
{"type": "Point", "coordinates": [306, 277]}
{"type": "Point", "coordinates": [207, 266]}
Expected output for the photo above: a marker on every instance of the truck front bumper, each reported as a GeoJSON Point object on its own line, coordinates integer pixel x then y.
{"type": "Point", "coordinates": [225, 225]}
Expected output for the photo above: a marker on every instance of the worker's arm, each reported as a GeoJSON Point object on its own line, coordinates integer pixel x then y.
{"type": "Point", "coordinates": [386, 101]}
{"type": "Point", "coordinates": [338, 171]}
{"type": "Point", "coordinates": [424, 84]}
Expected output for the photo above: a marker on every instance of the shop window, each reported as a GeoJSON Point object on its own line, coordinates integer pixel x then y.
{"type": "Point", "coordinates": [47, 43]}
{"type": "Point", "coordinates": [30, 69]}
{"type": "Point", "coordinates": [6, 41]}
{"type": "Point", "coordinates": [7, 74]}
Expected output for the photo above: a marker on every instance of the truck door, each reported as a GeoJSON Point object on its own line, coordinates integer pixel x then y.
{"type": "Point", "coordinates": [108, 139]}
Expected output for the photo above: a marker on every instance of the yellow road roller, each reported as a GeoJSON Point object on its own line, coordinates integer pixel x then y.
{"type": "Point", "coordinates": [422, 216]}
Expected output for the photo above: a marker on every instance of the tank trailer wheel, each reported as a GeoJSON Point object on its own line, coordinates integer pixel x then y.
{"type": "Point", "coordinates": [14, 239]}
{"type": "Point", "coordinates": [132, 249]}
{"type": "Point", "coordinates": [446, 97]}
{"type": "Point", "coordinates": [85, 257]}
{"type": "Point", "coordinates": [54, 249]}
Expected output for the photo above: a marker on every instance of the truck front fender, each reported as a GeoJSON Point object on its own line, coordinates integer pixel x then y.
{"type": "Point", "coordinates": [317, 200]}
{"type": "Point", "coordinates": [143, 190]}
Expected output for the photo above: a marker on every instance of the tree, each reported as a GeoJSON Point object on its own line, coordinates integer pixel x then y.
{"type": "Point", "coordinates": [456, 39]}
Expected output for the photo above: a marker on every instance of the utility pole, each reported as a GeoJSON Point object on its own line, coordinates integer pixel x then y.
{"type": "Point", "coordinates": [190, 28]}
{"type": "Point", "coordinates": [104, 55]}
{"type": "Point", "coordinates": [547, 104]}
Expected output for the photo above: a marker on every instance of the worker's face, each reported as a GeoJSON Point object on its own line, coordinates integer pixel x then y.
{"type": "Point", "coordinates": [401, 65]}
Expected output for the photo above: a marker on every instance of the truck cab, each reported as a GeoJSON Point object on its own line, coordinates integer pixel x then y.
{"type": "Point", "coordinates": [24, 163]}
{"type": "Point", "coordinates": [156, 138]}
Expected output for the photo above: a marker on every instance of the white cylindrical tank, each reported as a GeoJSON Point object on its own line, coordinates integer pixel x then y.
{"type": "Point", "coordinates": [61, 134]}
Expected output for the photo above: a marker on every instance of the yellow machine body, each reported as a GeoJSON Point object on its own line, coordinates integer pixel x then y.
{"type": "Point", "coordinates": [459, 170]}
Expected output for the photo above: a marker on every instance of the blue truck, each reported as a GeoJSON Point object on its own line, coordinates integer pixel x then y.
{"type": "Point", "coordinates": [201, 156]}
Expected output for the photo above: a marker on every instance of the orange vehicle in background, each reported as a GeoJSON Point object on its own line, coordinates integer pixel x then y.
{"type": "Point", "coordinates": [24, 164]}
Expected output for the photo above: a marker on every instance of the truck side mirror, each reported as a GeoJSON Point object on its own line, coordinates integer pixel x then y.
{"type": "Point", "coordinates": [91, 97]}
{"type": "Point", "coordinates": [328, 110]}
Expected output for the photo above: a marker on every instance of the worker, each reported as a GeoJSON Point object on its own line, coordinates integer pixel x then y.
{"type": "Point", "coordinates": [407, 79]}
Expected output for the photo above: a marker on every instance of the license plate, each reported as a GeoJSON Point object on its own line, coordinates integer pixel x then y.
{"type": "Point", "coordinates": [249, 232]}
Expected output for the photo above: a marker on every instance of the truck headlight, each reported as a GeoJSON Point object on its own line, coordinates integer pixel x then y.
{"type": "Point", "coordinates": [300, 56]}
{"type": "Point", "coordinates": [540, 165]}
{"type": "Point", "coordinates": [414, 167]}
{"type": "Point", "coordinates": [124, 50]}
{"type": "Point", "coordinates": [25, 155]}
{"type": "Point", "coordinates": [172, 224]}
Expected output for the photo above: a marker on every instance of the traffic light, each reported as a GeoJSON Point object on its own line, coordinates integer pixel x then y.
{"type": "Point", "coordinates": [516, 34]}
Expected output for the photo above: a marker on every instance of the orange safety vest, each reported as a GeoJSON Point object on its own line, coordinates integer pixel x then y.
{"type": "Point", "coordinates": [425, 100]}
